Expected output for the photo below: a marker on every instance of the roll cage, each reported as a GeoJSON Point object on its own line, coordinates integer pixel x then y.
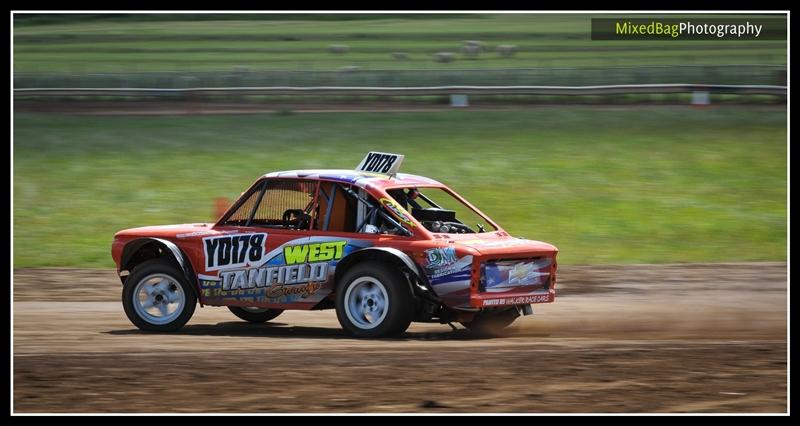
{"type": "Point", "coordinates": [293, 218]}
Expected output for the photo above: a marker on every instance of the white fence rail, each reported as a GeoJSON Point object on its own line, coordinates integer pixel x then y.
{"type": "Point", "coordinates": [408, 91]}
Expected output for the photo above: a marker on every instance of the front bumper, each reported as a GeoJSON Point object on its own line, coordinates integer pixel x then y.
{"type": "Point", "coordinates": [522, 298]}
{"type": "Point", "coordinates": [512, 281]}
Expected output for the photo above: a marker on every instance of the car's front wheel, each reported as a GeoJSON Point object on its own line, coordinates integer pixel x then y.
{"type": "Point", "coordinates": [373, 300]}
{"type": "Point", "coordinates": [156, 296]}
{"type": "Point", "coordinates": [253, 314]}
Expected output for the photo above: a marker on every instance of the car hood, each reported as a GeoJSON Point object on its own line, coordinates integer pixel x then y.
{"type": "Point", "coordinates": [169, 231]}
{"type": "Point", "coordinates": [493, 244]}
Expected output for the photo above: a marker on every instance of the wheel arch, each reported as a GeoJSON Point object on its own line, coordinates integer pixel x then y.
{"type": "Point", "coordinates": [389, 255]}
{"type": "Point", "coordinates": [143, 249]}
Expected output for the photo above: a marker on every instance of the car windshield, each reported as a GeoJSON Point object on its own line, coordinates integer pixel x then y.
{"type": "Point", "coordinates": [439, 211]}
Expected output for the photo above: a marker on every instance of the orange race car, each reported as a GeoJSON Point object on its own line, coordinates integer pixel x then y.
{"type": "Point", "coordinates": [382, 248]}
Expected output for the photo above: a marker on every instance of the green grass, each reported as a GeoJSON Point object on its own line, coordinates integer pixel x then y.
{"type": "Point", "coordinates": [136, 44]}
{"type": "Point", "coordinates": [611, 185]}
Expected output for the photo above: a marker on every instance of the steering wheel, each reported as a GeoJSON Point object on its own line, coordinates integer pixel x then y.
{"type": "Point", "coordinates": [296, 218]}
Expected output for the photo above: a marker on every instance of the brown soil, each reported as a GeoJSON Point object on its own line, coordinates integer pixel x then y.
{"type": "Point", "coordinates": [640, 338]}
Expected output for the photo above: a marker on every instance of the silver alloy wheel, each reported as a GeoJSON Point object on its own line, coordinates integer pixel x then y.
{"type": "Point", "coordinates": [158, 299]}
{"type": "Point", "coordinates": [254, 309]}
{"type": "Point", "coordinates": [366, 303]}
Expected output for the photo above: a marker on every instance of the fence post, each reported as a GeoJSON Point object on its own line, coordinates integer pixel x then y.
{"type": "Point", "coordinates": [700, 96]}
{"type": "Point", "coordinates": [459, 101]}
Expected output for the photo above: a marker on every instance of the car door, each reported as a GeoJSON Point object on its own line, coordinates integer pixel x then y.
{"type": "Point", "coordinates": [246, 260]}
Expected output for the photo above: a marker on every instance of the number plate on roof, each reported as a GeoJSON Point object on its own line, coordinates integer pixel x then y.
{"type": "Point", "coordinates": [381, 162]}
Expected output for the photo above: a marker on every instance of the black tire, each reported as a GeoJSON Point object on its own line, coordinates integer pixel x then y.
{"type": "Point", "coordinates": [150, 268]}
{"type": "Point", "coordinates": [255, 316]}
{"type": "Point", "coordinates": [492, 323]}
{"type": "Point", "coordinates": [398, 306]}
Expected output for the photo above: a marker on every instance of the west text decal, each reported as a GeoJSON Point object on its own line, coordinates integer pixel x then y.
{"type": "Point", "coordinates": [314, 252]}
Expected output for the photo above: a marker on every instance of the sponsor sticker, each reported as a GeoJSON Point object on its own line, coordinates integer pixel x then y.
{"type": "Point", "coordinates": [518, 300]}
{"type": "Point", "coordinates": [305, 267]}
{"type": "Point", "coordinates": [512, 274]}
{"type": "Point", "coordinates": [397, 211]}
{"type": "Point", "coordinates": [314, 252]}
{"type": "Point", "coordinates": [452, 272]}
{"type": "Point", "coordinates": [439, 257]}
{"type": "Point", "coordinates": [300, 270]}
{"type": "Point", "coordinates": [235, 251]}
{"type": "Point", "coordinates": [522, 273]}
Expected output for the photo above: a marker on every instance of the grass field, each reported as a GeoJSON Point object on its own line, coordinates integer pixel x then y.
{"type": "Point", "coordinates": [611, 185]}
{"type": "Point", "coordinates": [79, 45]}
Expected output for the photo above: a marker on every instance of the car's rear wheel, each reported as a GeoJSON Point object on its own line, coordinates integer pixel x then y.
{"type": "Point", "coordinates": [492, 323]}
{"type": "Point", "coordinates": [255, 315]}
{"type": "Point", "coordinates": [373, 300]}
{"type": "Point", "coordinates": [156, 296]}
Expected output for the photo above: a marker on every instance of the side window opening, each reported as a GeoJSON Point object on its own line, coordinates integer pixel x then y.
{"type": "Point", "coordinates": [242, 214]}
{"type": "Point", "coordinates": [344, 208]}
{"type": "Point", "coordinates": [336, 209]}
{"type": "Point", "coordinates": [288, 204]}
{"type": "Point", "coordinates": [445, 215]}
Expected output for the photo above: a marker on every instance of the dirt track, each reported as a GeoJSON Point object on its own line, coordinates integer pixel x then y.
{"type": "Point", "coordinates": [671, 338]}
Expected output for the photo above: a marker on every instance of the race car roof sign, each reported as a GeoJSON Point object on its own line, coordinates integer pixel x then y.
{"type": "Point", "coordinates": [381, 162]}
